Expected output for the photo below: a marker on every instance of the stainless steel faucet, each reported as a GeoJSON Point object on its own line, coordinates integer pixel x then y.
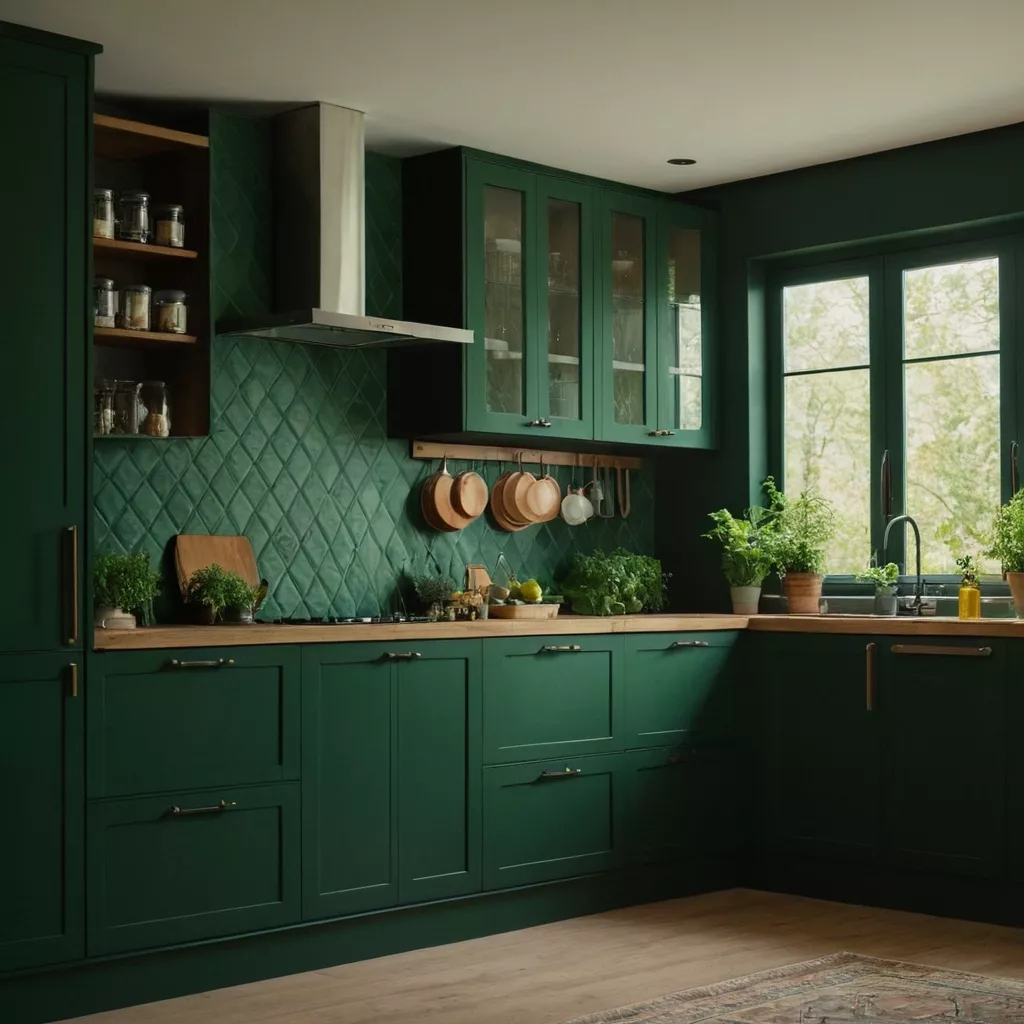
{"type": "Point", "coordinates": [918, 587]}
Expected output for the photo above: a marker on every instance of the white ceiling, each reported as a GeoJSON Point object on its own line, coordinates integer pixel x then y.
{"type": "Point", "coordinates": [614, 89]}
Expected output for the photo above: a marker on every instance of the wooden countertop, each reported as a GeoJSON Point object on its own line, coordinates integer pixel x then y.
{"type": "Point", "coordinates": [896, 626]}
{"type": "Point", "coordinates": [162, 637]}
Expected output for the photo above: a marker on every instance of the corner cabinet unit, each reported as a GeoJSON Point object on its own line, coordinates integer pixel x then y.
{"type": "Point", "coordinates": [591, 306]}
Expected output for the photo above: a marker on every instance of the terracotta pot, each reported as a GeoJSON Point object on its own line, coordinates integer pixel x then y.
{"type": "Point", "coordinates": [802, 589]}
{"type": "Point", "coordinates": [1016, 581]}
{"type": "Point", "coordinates": [745, 600]}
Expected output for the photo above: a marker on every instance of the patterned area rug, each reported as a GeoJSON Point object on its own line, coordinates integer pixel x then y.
{"type": "Point", "coordinates": [840, 989]}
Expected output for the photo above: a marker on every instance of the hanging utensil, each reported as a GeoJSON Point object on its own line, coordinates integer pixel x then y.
{"type": "Point", "coordinates": [469, 494]}
{"type": "Point", "coordinates": [576, 507]}
{"type": "Point", "coordinates": [623, 489]}
{"type": "Point", "coordinates": [543, 497]}
{"type": "Point", "coordinates": [514, 496]}
{"type": "Point", "coordinates": [436, 502]}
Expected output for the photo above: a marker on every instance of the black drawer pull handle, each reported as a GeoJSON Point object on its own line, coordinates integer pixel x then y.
{"type": "Point", "coordinates": [224, 805]}
{"type": "Point", "coordinates": [688, 643]}
{"type": "Point", "coordinates": [402, 655]}
{"type": "Point", "coordinates": [955, 652]}
{"type": "Point", "coordinates": [213, 663]}
{"type": "Point", "coordinates": [661, 433]}
{"type": "Point", "coordinates": [561, 649]}
{"type": "Point", "coordinates": [538, 423]}
{"type": "Point", "coordinates": [566, 773]}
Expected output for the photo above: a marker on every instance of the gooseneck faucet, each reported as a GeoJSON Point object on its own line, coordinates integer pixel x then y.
{"type": "Point", "coordinates": [918, 587]}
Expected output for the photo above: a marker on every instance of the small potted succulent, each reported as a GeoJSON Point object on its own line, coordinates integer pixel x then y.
{"type": "Point", "coordinates": [745, 562]}
{"type": "Point", "coordinates": [1008, 547]}
{"type": "Point", "coordinates": [801, 529]}
{"type": "Point", "coordinates": [220, 594]}
{"type": "Point", "coordinates": [123, 586]}
{"type": "Point", "coordinates": [885, 578]}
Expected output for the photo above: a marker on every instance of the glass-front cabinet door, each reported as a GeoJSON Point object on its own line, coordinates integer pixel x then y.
{"type": "Point", "coordinates": [627, 389]}
{"type": "Point", "coordinates": [565, 330]}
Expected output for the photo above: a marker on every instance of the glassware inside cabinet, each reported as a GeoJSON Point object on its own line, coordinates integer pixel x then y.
{"type": "Point", "coordinates": [628, 336]}
{"type": "Point", "coordinates": [564, 313]}
{"type": "Point", "coordinates": [687, 343]}
{"type": "Point", "coordinates": [503, 299]}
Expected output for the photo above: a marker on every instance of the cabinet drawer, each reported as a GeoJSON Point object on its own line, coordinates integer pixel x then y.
{"type": "Point", "coordinates": [554, 696]}
{"type": "Point", "coordinates": [173, 720]}
{"type": "Point", "coordinates": [170, 869]}
{"type": "Point", "coordinates": [550, 819]}
{"type": "Point", "coordinates": [677, 688]}
{"type": "Point", "coordinates": [680, 802]}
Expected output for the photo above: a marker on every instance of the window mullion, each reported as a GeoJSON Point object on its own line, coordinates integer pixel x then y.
{"type": "Point", "coordinates": [886, 341]}
{"type": "Point", "coordinates": [1011, 368]}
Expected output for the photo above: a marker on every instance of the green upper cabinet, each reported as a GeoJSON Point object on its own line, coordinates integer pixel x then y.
{"type": "Point", "coordinates": [589, 305]}
{"type": "Point", "coordinates": [41, 857]}
{"type": "Point", "coordinates": [45, 104]}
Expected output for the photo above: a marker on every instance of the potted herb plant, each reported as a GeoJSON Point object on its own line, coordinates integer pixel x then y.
{"type": "Point", "coordinates": [221, 594]}
{"type": "Point", "coordinates": [123, 586]}
{"type": "Point", "coordinates": [969, 595]}
{"type": "Point", "coordinates": [434, 591]}
{"type": "Point", "coordinates": [744, 559]}
{"type": "Point", "coordinates": [885, 578]}
{"type": "Point", "coordinates": [1008, 547]}
{"type": "Point", "coordinates": [801, 530]}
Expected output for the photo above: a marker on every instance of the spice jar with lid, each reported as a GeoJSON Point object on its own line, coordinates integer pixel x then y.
{"type": "Point", "coordinates": [103, 422]}
{"type": "Point", "coordinates": [126, 407]}
{"type": "Point", "coordinates": [170, 226]}
{"type": "Point", "coordinates": [102, 213]}
{"type": "Point", "coordinates": [156, 403]}
{"type": "Point", "coordinates": [134, 223]}
{"type": "Point", "coordinates": [134, 308]}
{"type": "Point", "coordinates": [170, 312]}
{"type": "Point", "coordinates": [104, 302]}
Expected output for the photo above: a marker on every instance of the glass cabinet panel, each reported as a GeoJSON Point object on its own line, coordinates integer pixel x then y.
{"type": "Point", "coordinates": [686, 341]}
{"type": "Point", "coordinates": [504, 317]}
{"type": "Point", "coordinates": [564, 313]}
{"type": "Point", "coordinates": [629, 356]}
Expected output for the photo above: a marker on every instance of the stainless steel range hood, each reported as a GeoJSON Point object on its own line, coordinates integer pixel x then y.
{"type": "Point", "coordinates": [320, 240]}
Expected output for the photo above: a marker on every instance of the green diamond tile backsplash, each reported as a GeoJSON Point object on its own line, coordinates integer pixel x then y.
{"type": "Point", "coordinates": [298, 459]}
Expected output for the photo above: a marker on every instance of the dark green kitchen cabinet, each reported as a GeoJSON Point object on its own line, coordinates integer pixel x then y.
{"type": "Point", "coordinates": [193, 718]}
{"type": "Point", "coordinates": [679, 687]}
{"type": "Point", "coordinates": [552, 819]}
{"type": "Point", "coordinates": [41, 791]}
{"type": "Point", "coordinates": [175, 868]}
{"type": "Point", "coordinates": [590, 305]}
{"type": "Point", "coordinates": [391, 786]}
{"type": "Point", "coordinates": [45, 111]}
{"type": "Point", "coordinates": [941, 707]}
{"type": "Point", "coordinates": [559, 696]}
{"type": "Point", "coordinates": [818, 733]}
{"type": "Point", "coordinates": [1013, 729]}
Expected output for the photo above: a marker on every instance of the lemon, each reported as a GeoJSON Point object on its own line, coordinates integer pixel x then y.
{"type": "Point", "coordinates": [531, 591]}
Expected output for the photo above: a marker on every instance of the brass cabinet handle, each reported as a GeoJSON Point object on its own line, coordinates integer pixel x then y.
{"type": "Point", "coordinates": [538, 423]}
{"type": "Point", "coordinates": [181, 812]}
{"type": "Point", "coordinates": [73, 639]}
{"type": "Point", "coordinates": [561, 649]}
{"type": "Point", "coordinates": [679, 644]}
{"type": "Point", "coordinates": [871, 676]}
{"type": "Point", "coordinates": [213, 663]}
{"type": "Point", "coordinates": [661, 433]}
{"type": "Point", "coordinates": [565, 773]}
{"type": "Point", "coordinates": [953, 652]}
{"type": "Point", "coordinates": [402, 655]}
{"type": "Point", "coordinates": [74, 679]}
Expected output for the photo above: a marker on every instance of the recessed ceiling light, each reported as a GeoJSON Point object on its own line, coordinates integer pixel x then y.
{"type": "Point", "coordinates": [682, 161]}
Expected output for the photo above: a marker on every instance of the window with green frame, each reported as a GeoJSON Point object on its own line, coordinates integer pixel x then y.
{"type": "Point", "coordinates": [895, 390]}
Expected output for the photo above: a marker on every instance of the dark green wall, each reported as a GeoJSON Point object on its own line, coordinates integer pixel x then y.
{"type": "Point", "coordinates": [915, 194]}
{"type": "Point", "coordinates": [297, 458]}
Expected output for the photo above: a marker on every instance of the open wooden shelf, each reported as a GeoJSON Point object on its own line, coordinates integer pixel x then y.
{"type": "Point", "coordinates": [129, 140]}
{"type": "Point", "coordinates": [147, 251]}
{"type": "Point", "coordinates": [139, 339]}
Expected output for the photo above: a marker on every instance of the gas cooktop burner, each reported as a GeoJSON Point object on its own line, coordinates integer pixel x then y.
{"type": "Point", "coordinates": [334, 620]}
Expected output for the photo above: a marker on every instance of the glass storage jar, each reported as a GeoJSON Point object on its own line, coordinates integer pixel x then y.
{"type": "Point", "coordinates": [103, 422]}
{"type": "Point", "coordinates": [169, 311]}
{"type": "Point", "coordinates": [134, 223]}
{"type": "Point", "coordinates": [156, 409]}
{"type": "Point", "coordinates": [102, 213]}
{"type": "Point", "coordinates": [126, 407]}
{"type": "Point", "coordinates": [133, 314]}
{"type": "Point", "coordinates": [104, 302]}
{"type": "Point", "coordinates": [170, 226]}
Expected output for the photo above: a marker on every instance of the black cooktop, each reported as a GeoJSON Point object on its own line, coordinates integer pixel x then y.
{"type": "Point", "coordinates": [334, 620]}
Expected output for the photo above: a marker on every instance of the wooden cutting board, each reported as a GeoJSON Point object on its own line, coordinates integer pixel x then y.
{"type": "Point", "coordinates": [197, 550]}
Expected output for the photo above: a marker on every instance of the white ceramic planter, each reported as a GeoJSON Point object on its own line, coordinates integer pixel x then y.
{"type": "Point", "coordinates": [745, 600]}
{"type": "Point", "coordinates": [885, 601]}
{"type": "Point", "coordinates": [114, 618]}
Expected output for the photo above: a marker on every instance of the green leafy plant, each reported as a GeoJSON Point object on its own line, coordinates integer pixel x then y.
{"type": "Point", "coordinates": [125, 582]}
{"type": "Point", "coordinates": [1008, 530]}
{"type": "Point", "coordinates": [433, 589]}
{"type": "Point", "coordinates": [617, 584]}
{"type": "Point", "coordinates": [883, 576]}
{"type": "Point", "coordinates": [801, 529]}
{"type": "Point", "coordinates": [745, 561]}
{"type": "Point", "coordinates": [216, 588]}
{"type": "Point", "coordinates": [968, 571]}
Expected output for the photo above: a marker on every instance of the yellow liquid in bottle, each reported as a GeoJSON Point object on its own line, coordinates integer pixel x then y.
{"type": "Point", "coordinates": [969, 606]}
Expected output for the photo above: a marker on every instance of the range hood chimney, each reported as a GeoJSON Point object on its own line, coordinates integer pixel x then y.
{"type": "Point", "coordinates": [320, 240]}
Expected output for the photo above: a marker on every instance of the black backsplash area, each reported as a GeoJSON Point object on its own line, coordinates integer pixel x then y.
{"type": "Point", "coordinates": [298, 459]}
